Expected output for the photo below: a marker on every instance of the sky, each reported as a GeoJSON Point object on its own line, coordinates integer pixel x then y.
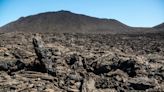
{"type": "Point", "coordinates": [136, 13]}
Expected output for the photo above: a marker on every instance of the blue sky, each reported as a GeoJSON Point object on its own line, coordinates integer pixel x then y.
{"type": "Point", "coordinates": [143, 13]}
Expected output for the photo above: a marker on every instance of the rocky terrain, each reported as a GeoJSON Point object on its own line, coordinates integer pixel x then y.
{"type": "Point", "coordinates": [67, 52]}
{"type": "Point", "coordinates": [77, 62]}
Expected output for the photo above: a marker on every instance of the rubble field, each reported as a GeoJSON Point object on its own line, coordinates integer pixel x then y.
{"type": "Point", "coordinates": [78, 62]}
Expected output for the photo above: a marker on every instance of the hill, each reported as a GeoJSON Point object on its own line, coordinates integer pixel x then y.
{"type": "Point", "coordinates": [160, 26]}
{"type": "Point", "coordinates": [66, 21]}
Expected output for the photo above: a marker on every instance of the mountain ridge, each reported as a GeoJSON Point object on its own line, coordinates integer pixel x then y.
{"type": "Point", "coordinates": [66, 21]}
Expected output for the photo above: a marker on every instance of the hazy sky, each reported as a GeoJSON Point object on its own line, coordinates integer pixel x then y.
{"type": "Point", "coordinates": [144, 13]}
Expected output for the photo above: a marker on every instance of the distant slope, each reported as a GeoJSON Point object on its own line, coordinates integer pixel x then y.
{"type": "Point", "coordinates": [160, 26]}
{"type": "Point", "coordinates": [65, 21]}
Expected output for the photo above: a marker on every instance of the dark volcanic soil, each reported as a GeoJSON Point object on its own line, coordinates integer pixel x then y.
{"type": "Point", "coordinates": [53, 62]}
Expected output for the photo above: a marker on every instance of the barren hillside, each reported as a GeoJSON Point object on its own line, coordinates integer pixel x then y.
{"type": "Point", "coordinates": [66, 21]}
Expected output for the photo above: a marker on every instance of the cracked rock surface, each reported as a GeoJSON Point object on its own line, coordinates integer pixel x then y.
{"type": "Point", "coordinates": [65, 62]}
